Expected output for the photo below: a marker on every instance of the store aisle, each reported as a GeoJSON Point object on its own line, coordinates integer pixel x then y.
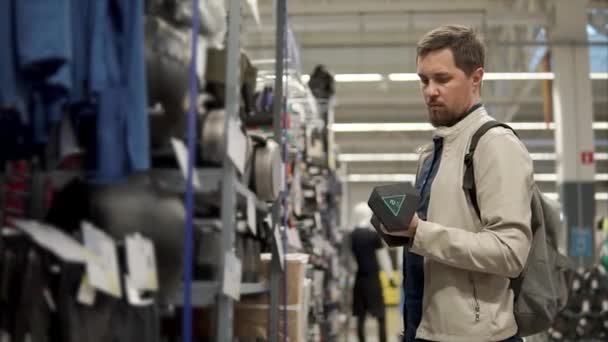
{"type": "Point", "coordinates": [393, 326]}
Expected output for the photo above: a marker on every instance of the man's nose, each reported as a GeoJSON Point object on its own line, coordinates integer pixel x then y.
{"type": "Point", "coordinates": [431, 90]}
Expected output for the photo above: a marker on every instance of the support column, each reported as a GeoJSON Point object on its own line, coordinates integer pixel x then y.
{"type": "Point", "coordinates": [573, 109]}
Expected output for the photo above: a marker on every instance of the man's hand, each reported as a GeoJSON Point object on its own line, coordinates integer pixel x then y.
{"type": "Point", "coordinates": [408, 232]}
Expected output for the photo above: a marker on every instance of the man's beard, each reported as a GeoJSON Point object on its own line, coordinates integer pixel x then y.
{"type": "Point", "coordinates": [444, 118]}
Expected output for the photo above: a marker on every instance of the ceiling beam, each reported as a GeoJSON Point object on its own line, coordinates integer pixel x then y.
{"type": "Point", "coordinates": [403, 21]}
{"type": "Point", "coordinates": [311, 7]}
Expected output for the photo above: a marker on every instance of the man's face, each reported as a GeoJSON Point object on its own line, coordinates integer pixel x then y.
{"type": "Point", "coordinates": [447, 90]}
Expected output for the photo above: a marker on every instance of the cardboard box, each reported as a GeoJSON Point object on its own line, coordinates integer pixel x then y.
{"type": "Point", "coordinates": [252, 322]}
{"type": "Point", "coordinates": [296, 273]}
{"type": "Point", "coordinates": [251, 318]}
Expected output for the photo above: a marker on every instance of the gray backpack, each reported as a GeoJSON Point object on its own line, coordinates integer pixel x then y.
{"type": "Point", "coordinates": [541, 290]}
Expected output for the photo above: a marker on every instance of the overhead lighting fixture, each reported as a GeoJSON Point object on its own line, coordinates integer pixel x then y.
{"type": "Point", "coordinates": [413, 77]}
{"type": "Point", "coordinates": [418, 126]}
{"type": "Point", "coordinates": [396, 177]}
{"type": "Point", "coordinates": [494, 76]}
{"type": "Point", "coordinates": [390, 157]}
{"type": "Point", "coordinates": [502, 76]}
{"type": "Point", "coordinates": [600, 125]}
{"type": "Point", "coordinates": [381, 127]}
{"type": "Point", "coordinates": [410, 177]}
{"type": "Point", "coordinates": [408, 77]}
{"type": "Point", "coordinates": [372, 157]}
{"type": "Point", "coordinates": [358, 77]}
{"type": "Point", "coordinates": [599, 75]}
{"type": "Point", "coordinates": [599, 196]}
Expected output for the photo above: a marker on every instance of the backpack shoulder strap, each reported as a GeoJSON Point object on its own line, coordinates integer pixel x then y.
{"type": "Point", "coordinates": [468, 183]}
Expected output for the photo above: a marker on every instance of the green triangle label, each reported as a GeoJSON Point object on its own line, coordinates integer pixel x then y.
{"type": "Point", "coordinates": [394, 203]}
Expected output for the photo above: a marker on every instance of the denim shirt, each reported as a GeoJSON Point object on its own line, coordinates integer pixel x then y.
{"type": "Point", "coordinates": [413, 285]}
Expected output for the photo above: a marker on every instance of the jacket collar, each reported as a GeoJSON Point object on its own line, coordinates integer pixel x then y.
{"type": "Point", "coordinates": [450, 133]}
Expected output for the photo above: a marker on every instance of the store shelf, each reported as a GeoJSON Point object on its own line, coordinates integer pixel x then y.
{"type": "Point", "coordinates": [215, 223]}
{"type": "Point", "coordinates": [211, 179]}
{"type": "Point", "coordinates": [203, 294]}
{"type": "Point", "coordinates": [244, 191]}
{"type": "Point", "coordinates": [254, 288]}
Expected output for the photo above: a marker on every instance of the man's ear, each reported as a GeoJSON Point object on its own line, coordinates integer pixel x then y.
{"type": "Point", "coordinates": [477, 77]}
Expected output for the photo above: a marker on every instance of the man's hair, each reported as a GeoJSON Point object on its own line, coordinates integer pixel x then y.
{"type": "Point", "coordinates": [466, 46]}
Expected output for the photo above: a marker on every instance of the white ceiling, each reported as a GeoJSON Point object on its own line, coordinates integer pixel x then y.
{"type": "Point", "coordinates": [379, 36]}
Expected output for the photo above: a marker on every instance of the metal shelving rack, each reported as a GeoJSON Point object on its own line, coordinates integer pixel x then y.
{"type": "Point", "coordinates": [277, 272]}
{"type": "Point", "coordinates": [209, 293]}
{"type": "Point", "coordinates": [225, 304]}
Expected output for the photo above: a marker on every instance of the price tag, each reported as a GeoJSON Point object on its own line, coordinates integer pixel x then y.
{"type": "Point", "coordinates": [318, 222]}
{"type": "Point", "coordinates": [251, 214]}
{"type": "Point", "coordinates": [54, 240]}
{"type": "Point", "coordinates": [134, 296]}
{"type": "Point", "coordinates": [253, 5]}
{"type": "Point", "coordinates": [279, 243]}
{"type": "Point", "coordinates": [181, 153]}
{"type": "Point", "coordinates": [86, 292]}
{"type": "Point", "coordinates": [237, 145]}
{"type": "Point", "coordinates": [141, 261]}
{"type": "Point", "coordinates": [293, 238]}
{"type": "Point", "coordinates": [232, 276]}
{"type": "Point", "coordinates": [102, 264]}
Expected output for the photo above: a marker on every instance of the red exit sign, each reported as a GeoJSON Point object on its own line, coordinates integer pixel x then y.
{"type": "Point", "coordinates": [587, 157]}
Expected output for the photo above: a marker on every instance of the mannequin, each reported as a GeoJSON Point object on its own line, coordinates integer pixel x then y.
{"type": "Point", "coordinates": [370, 254]}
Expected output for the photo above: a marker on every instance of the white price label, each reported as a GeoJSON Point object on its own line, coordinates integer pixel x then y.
{"type": "Point", "coordinates": [251, 214]}
{"type": "Point", "coordinates": [237, 145]}
{"type": "Point", "coordinates": [318, 221]}
{"type": "Point", "coordinates": [134, 296]}
{"type": "Point", "coordinates": [141, 261]}
{"type": "Point", "coordinates": [56, 241]}
{"type": "Point", "coordinates": [181, 153]}
{"type": "Point", "coordinates": [86, 292]}
{"type": "Point", "coordinates": [232, 276]}
{"type": "Point", "coordinates": [253, 5]}
{"type": "Point", "coordinates": [102, 264]}
{"type": "Point", "coordinates": [293, 238]}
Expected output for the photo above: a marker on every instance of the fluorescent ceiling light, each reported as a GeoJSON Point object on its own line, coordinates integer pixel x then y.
{"type": "Point", "coordinates": [408, 77]}
{"type": "Point", "coordinates": [491, 76]}
{"type": "Point", "coordinates": [410, 177]}
{"type": "Point", "coordinates": [416, 126]}
{"type": "Point", "coordinates": [599, 75]}
{"type": "Point", "coordinates": [413, 77]}
{"type": "Point", "coordinates": [495, 76]}
{"type": "Point", "coordinates": [369, 157]}
{"type": "Point", "coordinates": [599, 196]}
{"type": "Point", "coordinates": [600, 125]}
{"type": "Point", "coordinates": [488, 76]}
{"type": "Point", "coordinates": [358, 77]}
{"type": "Point", "coordinates": [375, 157]}
{"type": "Point", "coordinates": [381, 127]}
{"type": "Point", "coordinates": [396, 177]}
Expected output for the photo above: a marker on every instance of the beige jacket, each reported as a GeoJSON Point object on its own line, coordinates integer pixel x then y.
{"type": "Point", "coordinates": [468, 262]}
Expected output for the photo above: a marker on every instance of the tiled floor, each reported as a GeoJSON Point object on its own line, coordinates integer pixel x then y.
{"type": "Point", "coordinates": [393, 326]}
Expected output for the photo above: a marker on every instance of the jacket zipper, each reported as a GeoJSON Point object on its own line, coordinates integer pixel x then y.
{"type": "Point", "coordinates": [477, 309]}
